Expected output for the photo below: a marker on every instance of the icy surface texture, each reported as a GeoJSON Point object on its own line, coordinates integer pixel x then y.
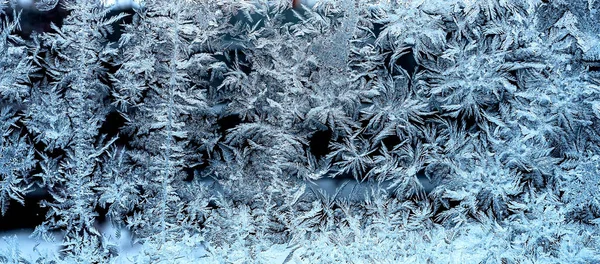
{"type": "Point", "coordinates": [349, 131]}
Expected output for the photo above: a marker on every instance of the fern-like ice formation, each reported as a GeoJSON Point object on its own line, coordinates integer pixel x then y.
{"type": "Point", "coordinates": [455, 131]}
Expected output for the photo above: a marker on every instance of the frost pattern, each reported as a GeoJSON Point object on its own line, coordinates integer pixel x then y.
{"type": "Point", "coordinates": [453, 131]}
